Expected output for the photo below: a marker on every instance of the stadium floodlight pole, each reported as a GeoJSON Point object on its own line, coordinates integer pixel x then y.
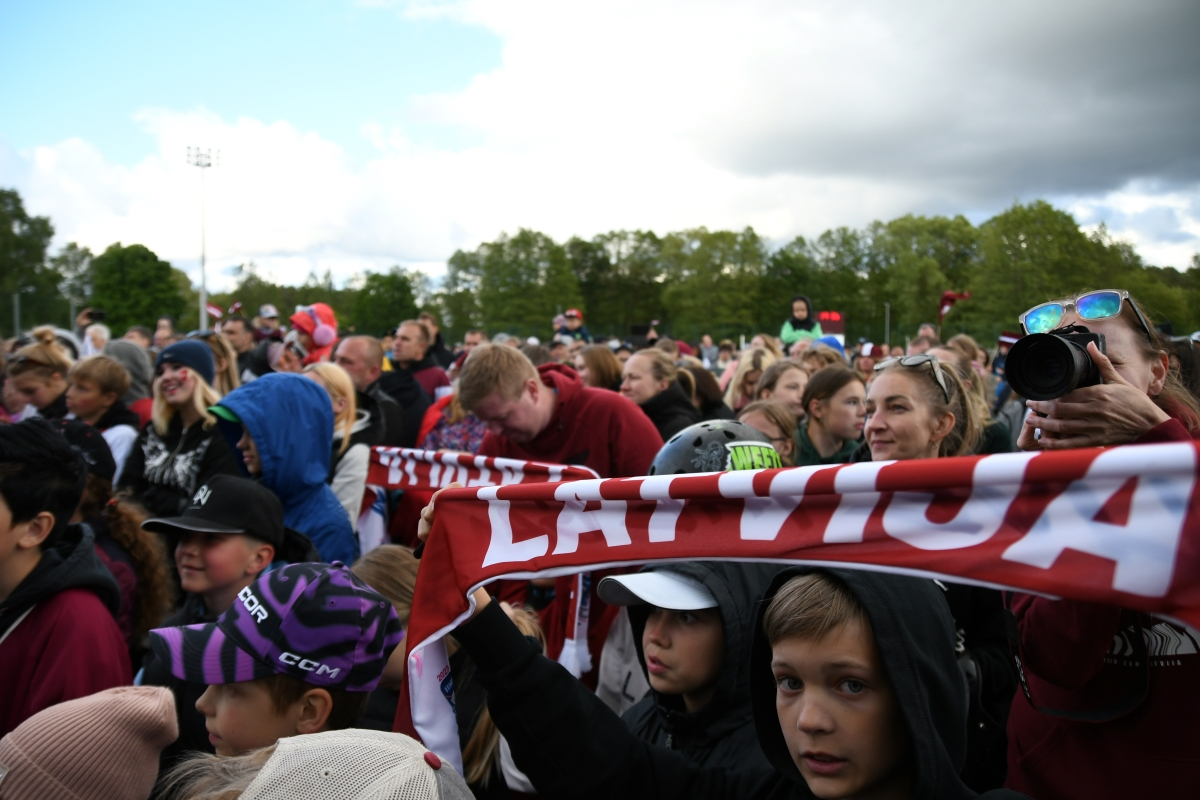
{"type": "Point", "coordinates": [204, 158]}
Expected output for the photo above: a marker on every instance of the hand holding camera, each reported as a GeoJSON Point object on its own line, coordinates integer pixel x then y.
{"type": "Point", "coordinates": [1110, 412]}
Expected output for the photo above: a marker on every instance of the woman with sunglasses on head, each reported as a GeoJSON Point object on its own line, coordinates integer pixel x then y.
{"type": "Point", "coordinates": [1139, 398]}
{"type": "Point", "coordinates": [181, 447]}
{"type": "Point", "coordinates": [1132, 681]}
{"type": "Point", "coordinates": [919, 408]}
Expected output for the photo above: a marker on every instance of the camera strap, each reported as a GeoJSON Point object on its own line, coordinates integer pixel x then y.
{"type": "Point", "coordinates": [1115, 711]}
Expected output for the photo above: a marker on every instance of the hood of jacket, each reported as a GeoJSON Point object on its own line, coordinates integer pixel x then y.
{"type": "Point", "coordinates": [567, 388]}
{"type": "Point", "coordinates": [70, 564]}
{"type": "Point", "coordinates": [291, 421]}
{"type": "Point", "coordinates": [137, 363]}
{"type": "Point", "coordinates": [915, 636]}
{"type": "Point", "coordinates": [808, 322]}
{"type": "Point", "coordinates": [671, 402]}
{"type": "Point", "coordinates": [737, 587]}
{"type": "Point", "coordinates": [420, 366]}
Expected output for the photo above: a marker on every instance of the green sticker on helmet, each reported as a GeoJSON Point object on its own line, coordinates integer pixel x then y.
{"type": "Point", "coordinates": [751, 455]}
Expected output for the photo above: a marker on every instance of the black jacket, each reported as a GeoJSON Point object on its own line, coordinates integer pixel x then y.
{"type": "Point", "coordinates": [671, 410]}
{"type": "Point", "coordinates": [163, 472]}
{"type": "Point", "coordinates": [571, 745]}
{"type": "Point", "coordinates": [56, 409]}
{"type": "Point", "coordinates": [722, 733]}
{"type": "Point", "coordinates": [402, 387]}
{"type": "Point", "coordinates": [441, 354]}
{"type": "Point", "coordinates": [118, 414]}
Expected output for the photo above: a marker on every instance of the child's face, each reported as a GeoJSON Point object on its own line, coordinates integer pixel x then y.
{"type": "Point", "coordinates": [240, 717]}
{"type": "Point", "coordinates": [249, 452]}
{"type": "Point", "coordinates": [218, 564]}
{"type": "Point", "coordinates": [177, 383]}
{"type": "Point", "coordinates": [684, 651]}
{"type": "Point", "coordinates": [839, 714]}
{"type": "Point", "coordinates": [35, 390]}
{"type": "Point", "coordinates": [86, 401]}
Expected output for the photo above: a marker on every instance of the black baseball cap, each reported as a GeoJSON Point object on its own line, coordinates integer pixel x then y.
{"type": "Point", "coordinates": [228, 504]}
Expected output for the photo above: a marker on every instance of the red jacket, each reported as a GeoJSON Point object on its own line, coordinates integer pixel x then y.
{"type": "Point", "coordinates": [1079, 657]}
{"type": "Point", "coordinates": [68, 644]}
{"type": "Point", "coordinates": [599, 429]}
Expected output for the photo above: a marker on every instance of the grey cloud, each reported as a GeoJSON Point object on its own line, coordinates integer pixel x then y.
{"type": "Point", "coordinates": [1020, 100]}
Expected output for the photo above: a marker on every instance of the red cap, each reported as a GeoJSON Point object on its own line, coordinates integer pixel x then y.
{"type": "Point", "coordinates": [574, 312]}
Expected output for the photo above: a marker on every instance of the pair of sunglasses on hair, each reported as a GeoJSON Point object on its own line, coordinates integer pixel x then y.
{"type": "Point", "coordinates": [1102, 304]}
{"type": "Point", "coordinates": [917, 361]}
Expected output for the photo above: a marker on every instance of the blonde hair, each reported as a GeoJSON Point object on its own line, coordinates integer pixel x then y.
{"type": "Point", "coordinates": [968, 428]}
{"type": "Point", "coordinates": [770, 343]}
{"type": "Point", "coordinates": [390, 570]}
{"type": "Point", "coordinates": [818, 358]}
{"type": "Point", "coordinates": [106, 372]}
{"type": "Point", "coordinates": [758, 358]}
{"type": "Point", "coordinates": [204, 776]}
{"type": "Point", "coordinates": [226, 378]}
{"type": "Point", "coordinates": [43, 358]}
{"type": "Point", "coordinates": [162, 412]}
{"type": "Point", "coordinates": [809, 606]}
{"type": "Point", "coordinates": [337, 384]}
{"type": "Point", "coordinates": [493, 369]}
{"type": "Point", "coordinates": [662, 368]}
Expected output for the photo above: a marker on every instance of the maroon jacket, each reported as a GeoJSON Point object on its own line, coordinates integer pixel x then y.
{"type": "Point", "coordinates": [599, 429]}
{"type": "Point", "coordinates": [68, 645]}
{"type": "Point", "coordinates": [1079, 657]}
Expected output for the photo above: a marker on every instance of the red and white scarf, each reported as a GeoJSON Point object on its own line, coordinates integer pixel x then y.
{"type": "Point", "coordinates": [1119, 526]}
{"type": "Point", "coordinates": [430, 470]}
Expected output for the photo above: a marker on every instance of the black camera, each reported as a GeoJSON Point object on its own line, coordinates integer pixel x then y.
{"type": "Point", "coordinates": [1043, 366]}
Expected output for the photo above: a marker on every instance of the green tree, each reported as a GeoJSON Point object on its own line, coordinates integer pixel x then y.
{"type": "Point", "coordinates": [621, 278]}
{"type": "Point", "coordinates": [383, 300]}
{"type": "Point", "coordinates": [711, 279]}
{"type": "Point", "coordinates": [136, 287]}
{"type": "Point", "coordinates": [74, 264]}
{"type": "Point", "coordinates": [24, 241]}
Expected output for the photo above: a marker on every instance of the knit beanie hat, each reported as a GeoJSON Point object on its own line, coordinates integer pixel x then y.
{"type": "Point", "coordinates": [101, 747]}
{"type": "Point", "coordinates": [190, 353]}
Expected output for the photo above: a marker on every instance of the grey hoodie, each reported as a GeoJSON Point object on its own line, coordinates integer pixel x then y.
{"type": "Point", "coordinates": [137, 363]}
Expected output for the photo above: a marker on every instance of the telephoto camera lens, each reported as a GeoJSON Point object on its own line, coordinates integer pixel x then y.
{"type": "Point", "coordinates": [1044, 366]}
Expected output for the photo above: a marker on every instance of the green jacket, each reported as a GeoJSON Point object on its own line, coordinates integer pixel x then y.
{"type": "Point", "coordinates": [807, 455]}
{"type": "Point", "coordinates": [790, 335]}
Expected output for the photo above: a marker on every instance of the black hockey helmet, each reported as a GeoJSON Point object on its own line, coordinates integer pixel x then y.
{"type": "Point", "coordinates": [719, 445]}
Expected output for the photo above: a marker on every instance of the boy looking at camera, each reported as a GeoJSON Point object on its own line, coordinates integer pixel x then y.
{"type": "Point", "coordinates": [298, 652]}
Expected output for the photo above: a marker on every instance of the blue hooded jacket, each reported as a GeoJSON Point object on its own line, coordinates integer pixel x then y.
{"type": "Point", "coordinates": [290, 419]}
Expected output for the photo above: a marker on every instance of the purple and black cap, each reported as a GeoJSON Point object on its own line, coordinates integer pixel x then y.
{"type": "Point", "coordinates": [315, 622]}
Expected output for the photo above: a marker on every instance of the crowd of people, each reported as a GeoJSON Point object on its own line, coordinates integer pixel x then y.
{"type": "Point", "coordinates": [189, 607]}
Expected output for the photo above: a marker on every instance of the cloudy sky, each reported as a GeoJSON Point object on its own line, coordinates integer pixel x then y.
{"type": "Point", "coordinates": [356, 134]}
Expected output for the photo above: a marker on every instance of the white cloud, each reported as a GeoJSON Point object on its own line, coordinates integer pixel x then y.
{"type": "Point", "coordinates": [663, 114]}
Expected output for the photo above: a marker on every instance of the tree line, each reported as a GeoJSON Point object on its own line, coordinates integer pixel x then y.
{"type": "Point", "coordinates": [696, 281]}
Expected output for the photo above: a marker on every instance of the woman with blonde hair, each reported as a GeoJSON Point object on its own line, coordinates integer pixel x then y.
{"type": "Point", "coordinates": [772, 419]}
{"type": "Point", "coordinates": [38, 373]}
{"type": "Point", "coordinates": [663, 391]}
{"type": "Point", "coordinates": [784, 381]}
{"type": "Point", "coordinates": [744, 384]}
{"type": "Point", "coordinates": [353, 437]}
{"type": "Point", "coordinates": [224, 362]}
{"type": "Point", "coordinates": [182, 447]}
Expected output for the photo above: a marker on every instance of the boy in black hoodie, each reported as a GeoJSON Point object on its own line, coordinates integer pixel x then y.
{"type": "Point", "coordinates": [58, 638]}
{"type": "Point", "coordinates": [691, 625]}
{"type": "Point", "coordinates": [867, 702]}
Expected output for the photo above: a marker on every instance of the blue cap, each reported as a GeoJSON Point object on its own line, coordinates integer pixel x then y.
{"type": "Point", "coordinates": [833, 344]}
{"type": "Point", "coordinates": [189, 353]}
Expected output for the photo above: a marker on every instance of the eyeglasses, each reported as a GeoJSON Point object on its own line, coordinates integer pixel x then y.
{"type": "Point", "coordinates": [916, 361]}
{"type": "Point", "coordinates": [1102, 304]}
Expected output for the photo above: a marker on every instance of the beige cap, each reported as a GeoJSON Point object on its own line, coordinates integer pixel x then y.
{"type": "Point", "coordinates": [355, 765]}
{"type": "Point", "coordinates": [101, 747]}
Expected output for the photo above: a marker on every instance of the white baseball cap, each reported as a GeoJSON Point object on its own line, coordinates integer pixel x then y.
{"type": "Point", "coordinates": [355, 765]}
{"type": "Point", "coordinates": [659, 588]}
